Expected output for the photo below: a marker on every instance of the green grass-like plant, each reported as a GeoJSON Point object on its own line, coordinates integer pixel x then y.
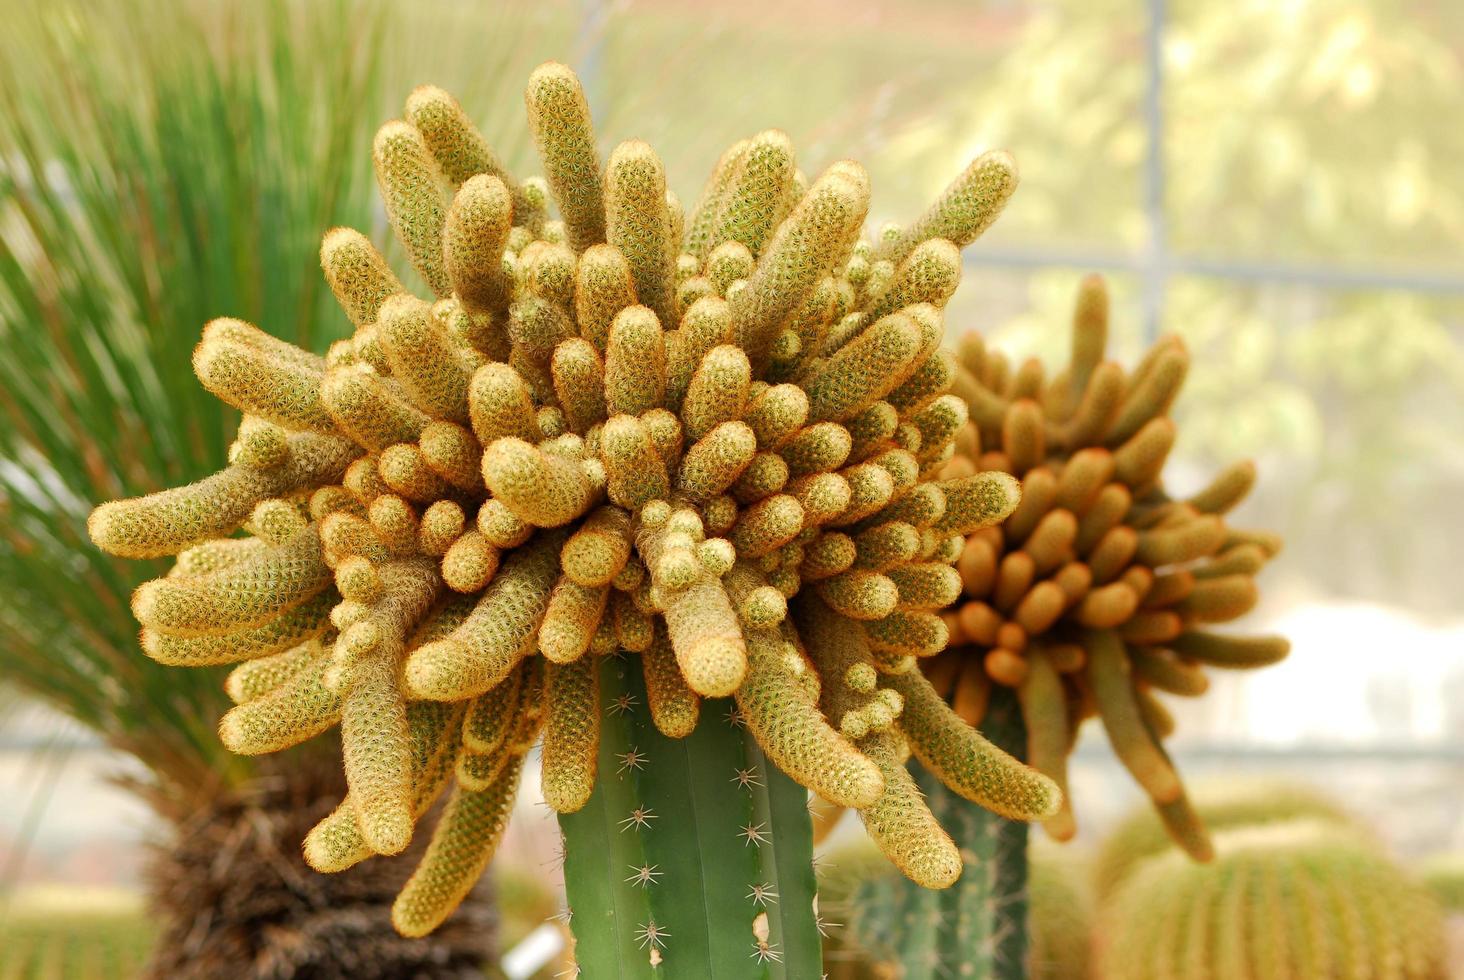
{"type": "Point", "coordinates": [162, 159]}
{"type": "Point", "coordinates": [144, 192]}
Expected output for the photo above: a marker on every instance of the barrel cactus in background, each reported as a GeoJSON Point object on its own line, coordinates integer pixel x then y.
{"type": "Point", "coordinates": [1097, 592]}
{"type": "Point", "coordinates": [1061, 918]}
{"type": "Point", "coordinates": [624, 464]}
{"type": "Point", "coordinates": [1444, 876]}
{"type": "Point", "coordinates": [1220, 805]}
{"type": "Point", "coordinates": [1291, 899]}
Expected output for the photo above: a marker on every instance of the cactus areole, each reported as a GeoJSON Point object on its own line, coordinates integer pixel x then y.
{"type": "Point", "coordinates": [703, 444]}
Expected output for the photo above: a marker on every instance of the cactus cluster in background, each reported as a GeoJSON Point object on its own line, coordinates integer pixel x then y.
{"type": "Point", "coordinates": [1096, 592]}
{"type": "Point", "coordinates": [1061, 918]}
{"type": "Point", "coordinates": [1292, 899]}
{"type": "Point", "coordinates": [1443, 874]}
{"type": "Point", "coordinates": [711, 440]}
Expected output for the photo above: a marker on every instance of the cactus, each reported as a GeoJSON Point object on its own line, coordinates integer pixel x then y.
{"type": "Point", "coordinates": [1094, 594]}
{"type": "Point", "coordinates": [708, 440]}
{"type": "Point", "coordinates": [1222, 805]}
{"type": "Point", "coordinates": [1061, 918]}
{"type": "Point", "coordinates": [974, 929]}
{"type": "Point", "coordinates": [978, 927]}
{"type": "Point", "coordinates": [1443, 874]}
{"type": "Point", "coordinates": [673, 867]}
{"type": "Point", "coordinates": [1292, 899]}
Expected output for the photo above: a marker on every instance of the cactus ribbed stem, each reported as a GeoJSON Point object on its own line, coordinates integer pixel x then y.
{"type": "Point", "coordinates": [1008, 902]}
{"type": "Point", "coordinates": [978, 927]}
{"type": "Point", "coordinates": [693, 856]}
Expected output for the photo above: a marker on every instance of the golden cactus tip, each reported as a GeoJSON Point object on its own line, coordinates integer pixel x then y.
{"type": "Point", "coordinates": [712, 440]}
{"type": "Point", "coordinates": [1097, 591]}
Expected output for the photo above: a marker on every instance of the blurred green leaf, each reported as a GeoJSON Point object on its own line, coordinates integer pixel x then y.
{"type": "Point", "coordinates": [165, 163]}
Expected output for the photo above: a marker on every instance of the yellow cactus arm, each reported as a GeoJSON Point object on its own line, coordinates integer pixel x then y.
{"type": "Point", "coordinates": [411, 186]}
{"type": "Point", "coordinates": [463, 844]}
{"type": "Point", "coordinates": [964, 210]}
{"type": "Point", "coordinates": [299, 709]}
{"type": "Point", "coordinates": [637, 223]}
{"type": "Point", "coordinates": [559, 119]}
{"type": "Point", "coordinates": [496, 635]}
{"type": "Point", "coordinates": [475, 232]}
{"type": "Point", "coordinates": [262, 382]}
{"type": "Point", "coordinates": [544, 489]}
{"type": "Point", "coordinates": [357, 274]}
{"type": "Point", "coordinates": [966, 762]}
{"type": "Point", "coordinates": [455, 143]}
{"type": "Point", "coordinates": [166, 522]}
{"type": "Point", "coordinates": [760, 184]}
{"type": "Point", "coordinates": [248, 593]}
{"type": "Point", "coordinates": [804, 247]}
{"type": "Point", "coordinates": [571, 733]}
{"type": "Point", "coordinates": [675, 707]}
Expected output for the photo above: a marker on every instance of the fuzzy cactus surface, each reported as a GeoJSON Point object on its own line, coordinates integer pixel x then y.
{"type": "Point", "coordinates": [1292, 899]}
{"type": "Point", "coordinates": [1098, 592]}
{"type": "Point", "coordinates": [709, 442]}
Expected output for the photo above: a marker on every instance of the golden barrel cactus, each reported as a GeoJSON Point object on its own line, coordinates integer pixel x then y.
{"type": "Point", "coordinates": [1292, 899]}
{"type": "Point", "coordinates": [1098, 591]}
{"type": "Point", "coordinates": [710, 440]}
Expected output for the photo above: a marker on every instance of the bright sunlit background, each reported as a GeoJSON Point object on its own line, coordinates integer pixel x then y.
{"type": "Point", "coordinates": [1277, 181]}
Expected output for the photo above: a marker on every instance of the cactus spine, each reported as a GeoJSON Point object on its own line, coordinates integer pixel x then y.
{"type": "Point", "coordinates": [694, 856]}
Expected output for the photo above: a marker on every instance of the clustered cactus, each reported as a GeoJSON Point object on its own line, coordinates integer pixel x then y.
{"type": "Point", "coordinates": [1293, 899]}
{"type": "Point", "coordinates": [712, 440]}
{"type": "Point", "coordinates": [1095, 592]}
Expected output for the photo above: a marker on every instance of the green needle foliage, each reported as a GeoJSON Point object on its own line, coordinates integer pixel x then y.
{"type": "Point", "coordinates": [152, 175]}
{"type": "Point", "coordinates": [167, 179]}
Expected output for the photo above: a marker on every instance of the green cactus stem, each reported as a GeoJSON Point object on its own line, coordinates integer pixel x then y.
{"type": "Point", "coordinates": [693, 857]}
{"type": "Point", "coordinates": [977, 927]}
